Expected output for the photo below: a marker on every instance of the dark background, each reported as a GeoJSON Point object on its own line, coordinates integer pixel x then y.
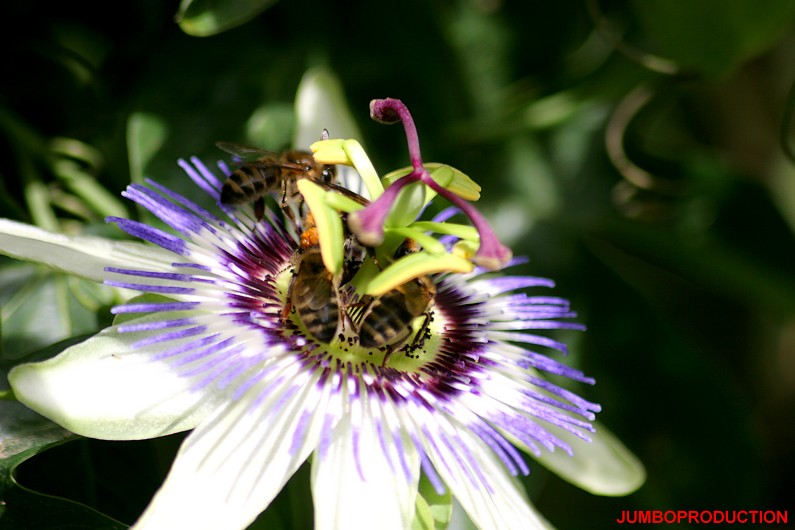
{"type": "Point", "coordinates": [636, 151]}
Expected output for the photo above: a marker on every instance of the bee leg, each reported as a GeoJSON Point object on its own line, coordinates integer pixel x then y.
{"type": "Point", "coordinates": [346, 317]}
{"type": "Point", "coordinates": [259, 208]}
{"type": "Point", "coordinates": [288, 303]}
{"type": "Point", "coordinates": [387, 355]}
{"type": "Point", "coordinates": [419, 338]}
{"type": "Point", "coordinates": [288, 306]}
{"type": "Point", "coordinates": [288, 211]}
{"type": "Point", "coordinates": [284, 203]}
{"type": "Point", "coordinates": [392, 348]}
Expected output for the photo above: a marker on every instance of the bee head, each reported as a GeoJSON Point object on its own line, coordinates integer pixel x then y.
{"type": "Point", "coordinates": [328, 173]}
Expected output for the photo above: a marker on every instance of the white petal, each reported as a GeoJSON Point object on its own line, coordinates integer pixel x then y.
{"type": "Point", "coordinates": [460, 520]}
{"type": "Point", "coordinates": [102, 388]}
{"type": "Point", "coordinates": [232, 466]}
{"type": "Point", "coordinates": [491, 497]}
{"type": "Point", "coordinates": [84, 256]}
{"type": "Point", "coordinates": [602, 467]}
{"type": "Point", "coordinates": [355, 484]}
{"type": "Point", "coordinates": [320, 104]}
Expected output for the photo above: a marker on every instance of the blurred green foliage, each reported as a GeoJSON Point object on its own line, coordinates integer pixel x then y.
{"type": "Point", "coordinates": [631, 148]}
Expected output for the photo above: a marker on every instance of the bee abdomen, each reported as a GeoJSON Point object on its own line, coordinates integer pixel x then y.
{"type": "Point", "coordinates": [321, 323]}
{"type": "Point", "coordinates": [384, 323]}
{"type": "Point", "coordinates": [247, 184]}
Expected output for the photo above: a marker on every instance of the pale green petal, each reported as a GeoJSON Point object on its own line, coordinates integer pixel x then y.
{"type": "Point", "coordinates": [101, 388]}
{"type": "Point", "coordinates": [355, 485]}
{"type": "Point", "coordinates": [602, 467]}
{"type": "Point", "coordinates": [320, 104]}
{"type": "Point", "coordinates": [232, 466]}
{"type": "Point", "coordinates": [84, 256]}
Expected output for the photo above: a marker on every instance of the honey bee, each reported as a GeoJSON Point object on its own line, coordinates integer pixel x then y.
{"type": "Point", "coordinates": [386, 321]}
{"type": "Point", "coordinates": [263, 172]}
{"type": "Point", "coordinates": [313, 292]}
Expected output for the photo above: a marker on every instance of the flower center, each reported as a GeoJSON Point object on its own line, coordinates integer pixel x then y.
{"type": "Point", "coordinates": [336, 324]}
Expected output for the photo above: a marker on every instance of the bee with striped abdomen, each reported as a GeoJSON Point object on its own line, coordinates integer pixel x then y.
{"type": "Point", "coordinates": [261, 173]}
{"type": "Point", "coordinates": [386, 321]}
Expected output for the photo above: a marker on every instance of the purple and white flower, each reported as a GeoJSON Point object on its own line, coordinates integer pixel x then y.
{"type": "Point", "coordinates": [207, 349]}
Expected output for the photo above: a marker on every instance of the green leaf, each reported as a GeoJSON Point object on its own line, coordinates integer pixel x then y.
{"type": "Point", "coordinates": [88, 189]}
{"type": "Point", "coordinates": [203, 18]}
{"type": "Point", "coordinates": [146, 134]}
{"type": "Point", "coordinates": [40, 308]}
{"type": "Point", "coordinates": [423, 518]}
{"type": "Point", "coordinates": [74, 149]}
{"type": "Point", "coordinates": [320, 103]}
{"type": "Point", "coordinates": [433, 510]}
{"type": "Point", "coordinates": [25, 509]}
{"type": "Point", "coordinates": [714, 36]}
{"type": "Point", "coordinates": [23, 434]}
{"type": "Point", "coordinates": [37, 198]}
{"type": "Point", "coordinates": [271, 126]}
{"type": "Point", "coordinates": [76, 164]}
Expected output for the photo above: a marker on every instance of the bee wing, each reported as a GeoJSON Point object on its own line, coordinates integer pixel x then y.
{"type": "Point", "coordinates": [345, 192]}
{"type": "Point", "coordinates": [256, 157]}
{"type": "Point", "coordinates": [245, 153]}
{"type": "Point", "coordinates": [315, 284]}
{"type": "Point", "coordinates": [320, 292]}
